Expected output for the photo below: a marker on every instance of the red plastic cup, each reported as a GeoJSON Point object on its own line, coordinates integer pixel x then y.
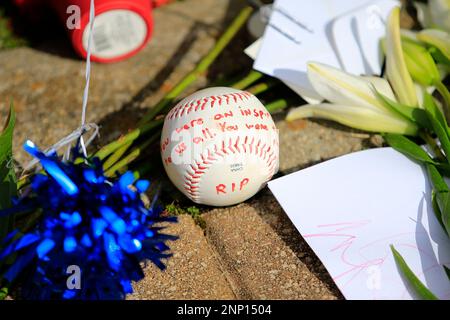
{"type": "Point", "coordinates": [121, 29]}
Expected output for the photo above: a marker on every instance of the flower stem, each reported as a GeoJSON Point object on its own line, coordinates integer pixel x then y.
{"type": "Point", "coordinates": [133, 155]}
{"type": "Point", "coordinates": [129, 137]}
{"type": "Point", "coordinates": [433, 145]}
{"type": "Point", "coordinates": [116, 156]}
{"type": "Point", "coordinates": [204, 64]}
{"type": "Point", "coordinates": [276, 105]}
{"type": "Point", "coordinates": [248, 80]}
{"type": "Point", "coordinates": [262, 87]}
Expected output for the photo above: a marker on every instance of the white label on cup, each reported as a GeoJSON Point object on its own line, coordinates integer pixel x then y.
{"type": "Point", "coordinates": [116, 33]}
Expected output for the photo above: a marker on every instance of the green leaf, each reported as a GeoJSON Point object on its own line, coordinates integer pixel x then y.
{"type": "Point", "coordinates": [444, 169]}
{"type": "Point", "coordinates": [436, 209]}
{"type": "Point", "coordinates": [433, 111]}
{"type": "Point", "coordinates": [442, 132]}
{"type": "Point", "coordinates": [413, 114]}
{"type": "Point", "coordinates": [436, 179]}
{"type": "Point", "coordinates": [447, 271]}
{"type": "Point", "coordinates": [8, 182]}
{"type": "Point", "coordinates": [445, 214]}
{"type": "Point", "coordinates": [439, 57]}
{"type": "Point", "coordinates": [408, 148]}
{"type": "Point", "coordinates": [440, 197]}
{"type": "Point", "coordinates": [422, 291]}
{"type": "Point", "coordinates": [3, 293]}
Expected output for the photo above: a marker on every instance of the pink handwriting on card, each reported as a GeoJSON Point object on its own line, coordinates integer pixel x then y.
{"type": "Point", "coordinates": [350, 209]}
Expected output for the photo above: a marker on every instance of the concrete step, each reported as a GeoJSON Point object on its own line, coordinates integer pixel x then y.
{"type": "Point", "coordinates": [260, 263]}
{"type": "Point", "coordinates": [193, 272]}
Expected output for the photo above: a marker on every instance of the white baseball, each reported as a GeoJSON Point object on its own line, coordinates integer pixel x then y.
{"type": "Point", "coordinates": [219, 146]}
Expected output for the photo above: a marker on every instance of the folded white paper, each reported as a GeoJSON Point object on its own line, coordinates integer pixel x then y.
{"type": "Point", "coordinates": [343, 34]}
{"type": "Point", "coordinates": [252, 52]}
{"type": "Point", "coordinates": [352, 208]}
{"type": "Point", "coordinates": [356, 37]}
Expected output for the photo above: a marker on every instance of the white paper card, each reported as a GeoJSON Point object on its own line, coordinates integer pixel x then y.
{"type": "Point", "coordinates": [287, 60]}
{"type": "Point", "coordinates": [252, 52]}
{"type": "Point", "coordinates": [352, 208]}
{"type": "Point", "coordinates": [357, 37]}
{"type": "Point", "coordinates": [253, 49]}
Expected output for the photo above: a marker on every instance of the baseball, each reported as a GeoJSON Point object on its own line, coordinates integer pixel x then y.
{"type": "Point", "coordinates": [219, 146]}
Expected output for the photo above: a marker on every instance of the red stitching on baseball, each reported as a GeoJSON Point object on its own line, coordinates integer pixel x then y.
{"type": "Point", "coordinates": [205, 101]}
{"type": "Point", "coordinates": [230, 146]}
{"type": "Point", "coordinates": [192, 179]}
{"type": "Point", "coordinates": [236, 145]}
{"type": "Point", "coordinates": [188, 107]}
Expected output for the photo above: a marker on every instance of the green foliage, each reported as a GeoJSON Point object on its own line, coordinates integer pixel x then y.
{"type": "Point", "coordinates": [434, 124]}
{"type": "Point", "coordinates": [415, 283]}
{"type": "Point", "coordinates": [413, 114]}
{"type": "Point", "coordinates": [438, 56]}
{"type": "Point", "coordinates": [176, 210]}
{"type": "Point", "coordinates": [193, 211]}
{"type": "Point", "coordinates": [447, 271]}
{"type": "Point", "coordinates": [7, 37]}
{"type": "Point", "coordinates": [407, 147]}
{"type": "Point", "coordinates": [433, 111]}
{"type": "Point", "coordinates": [441, 198]}
{"type": "Point", "coordinates": [3, 293]}
{"type": "Point", "coordinates": [8, 183]}
{"type": "Point", "coordinates": [437, 209]}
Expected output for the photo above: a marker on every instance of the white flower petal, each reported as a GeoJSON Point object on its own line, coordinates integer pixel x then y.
{"type": "Point", "coordinates": [355, 117]}
{"type": "Point", "coordinates": [437, 38]}
{"type": "Point", "coordinates": [340, 87]}
{"type": "Point", "coordinates": [396, 69]}
{"type": "Point", "coordinates": [382, 86]}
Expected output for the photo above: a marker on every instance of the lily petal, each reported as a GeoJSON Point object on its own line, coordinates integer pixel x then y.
{"type": "Point", "coordinates": [396, 70]}
{"type": "Point", "coordinates": [382, 86]}
{"type": "Point", "coordinates": [436, 38]}
{"type": "Point", "coordinates": [340, 87]}
{"type": "Point", "coordinates": [355, 117]}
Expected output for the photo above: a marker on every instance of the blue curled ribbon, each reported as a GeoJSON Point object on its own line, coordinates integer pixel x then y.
{"type": "Point", "coordinates": [101, 226]}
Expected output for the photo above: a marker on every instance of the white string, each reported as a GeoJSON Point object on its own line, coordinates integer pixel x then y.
{"type": "Point", "coordinates": [67, 141]}
{"type": "Point", "coordinates": [88, 74]}
{"type": "Point", "coordinates": [84, 128]}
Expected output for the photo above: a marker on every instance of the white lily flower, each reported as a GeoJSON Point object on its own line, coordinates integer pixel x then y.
{"type": "Point", "coordinates": [396, 69]}
{"type": "Point", "coordinates": [343, 88]}
{"type": "Point", "coordinates": [353, 101]}
{"type": "Point", "coordinates": [366, 119]}
{"type": "Point", "coordinates": [436, 38]}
